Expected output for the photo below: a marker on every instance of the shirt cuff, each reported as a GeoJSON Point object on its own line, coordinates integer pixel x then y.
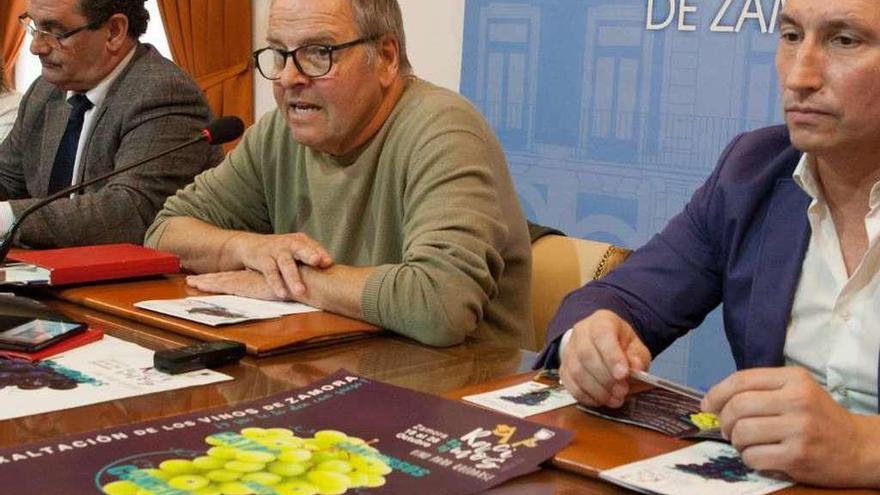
{"type": "Point", "coordinates": [564, 342]}
{"type": "Point", "coordinates": [7, 218]}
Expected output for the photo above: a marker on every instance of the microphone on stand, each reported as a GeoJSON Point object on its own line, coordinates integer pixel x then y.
{"type": "Point", "coordinates": [220, 131]}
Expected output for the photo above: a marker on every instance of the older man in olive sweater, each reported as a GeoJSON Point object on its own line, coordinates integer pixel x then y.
{"type": "Point", "coordinates": [368, 192]}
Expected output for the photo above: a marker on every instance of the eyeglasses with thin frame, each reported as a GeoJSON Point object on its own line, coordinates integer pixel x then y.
{"type": "Point", "coordinates": [312, 60]}
{"type": "Point", "coordinates": [54, 39]}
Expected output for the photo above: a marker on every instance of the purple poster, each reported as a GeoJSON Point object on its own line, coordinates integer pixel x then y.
{"type": "Point", "coordinates": [341, 435]}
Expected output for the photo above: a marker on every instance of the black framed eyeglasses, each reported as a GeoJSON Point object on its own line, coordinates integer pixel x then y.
{"type": "Point", "coordinates": [54, 39]}
{"type": "Point", "coordinates": [312, 60]}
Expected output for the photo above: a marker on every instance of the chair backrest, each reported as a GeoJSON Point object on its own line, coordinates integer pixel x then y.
{"type": "Point", "coordinates": [561, 264]}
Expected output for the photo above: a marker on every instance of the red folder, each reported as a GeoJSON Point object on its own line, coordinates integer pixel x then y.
{"type": "Point", "coordinates": [78, 340]}
{"type": "Point", "coordinates": [102, 262]}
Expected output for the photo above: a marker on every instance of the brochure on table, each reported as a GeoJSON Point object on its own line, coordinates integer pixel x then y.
{"type": "Point", "coordinates": [223, 310]}
{"type": "Point", "coordinates": [706, 467]}
{"type": "Point", "coordinates": [101, 371]}
{"type": "Point", "coordinates": [342, 434]}
{"type": "Point", "coordinates": [665, 411]}
{"type": "Point", "coordinates": [524, 399]}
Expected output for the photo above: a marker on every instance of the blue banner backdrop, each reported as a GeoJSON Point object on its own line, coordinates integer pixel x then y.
{"type": "Point", "coordinates": [612, 112]}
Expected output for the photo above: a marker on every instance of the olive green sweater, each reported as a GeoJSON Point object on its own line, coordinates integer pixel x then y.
{"type": "Point", "coordinates": [428, 202]}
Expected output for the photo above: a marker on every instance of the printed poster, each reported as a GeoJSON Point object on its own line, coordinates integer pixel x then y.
{"type": "Point", "coordinates": [344, 434]}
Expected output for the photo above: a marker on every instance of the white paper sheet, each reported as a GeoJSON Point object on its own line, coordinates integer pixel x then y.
{"type": "Point", "coordinates": [23, 273]}
{"type": "Point", "coordinates": [706, 467]}
{"type": "Point", "coordinates": [525, 399]}
{"type": "Point", "coordinates": [105, 370]}
{"type": "Point", "coordinates": [223, 310]}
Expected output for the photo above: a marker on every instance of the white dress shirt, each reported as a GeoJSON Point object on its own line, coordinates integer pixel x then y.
{"type": "Point", "coordinates": [834, 330]}
{"type": "Point", "coordinates": [96, 95]}
{"type": "Point", "coordinates": [8, 112]}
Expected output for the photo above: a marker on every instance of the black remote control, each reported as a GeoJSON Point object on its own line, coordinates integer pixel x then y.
{"type": "Point", "coordinates": [198, 356]}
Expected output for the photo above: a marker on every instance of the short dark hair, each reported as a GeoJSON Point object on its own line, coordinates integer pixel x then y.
{"type": "Point", "coordinates": [134, 10]}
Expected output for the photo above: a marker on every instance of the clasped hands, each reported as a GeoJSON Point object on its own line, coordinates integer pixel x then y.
{"type": "Point", "coordinates": [780, 419]}
{"type": "Point", "coordinates": [271, 266]}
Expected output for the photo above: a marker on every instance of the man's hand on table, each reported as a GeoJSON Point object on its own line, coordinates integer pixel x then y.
{"type": "Point", "coordinates": [277, 258]}
{"type": "Point", "coordinates": [781, 420]}
{"type": "Point", "coordinates": [597, 359]}
{"type": "Point", "coordinates": [247, 283]}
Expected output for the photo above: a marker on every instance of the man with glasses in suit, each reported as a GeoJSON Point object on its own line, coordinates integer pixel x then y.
{"type": "Point", "coordinates": [368, 192]}
{"type": "Point", "coordinates": [103, 101]}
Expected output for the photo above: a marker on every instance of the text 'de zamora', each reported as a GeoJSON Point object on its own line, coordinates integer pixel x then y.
{"type": "Point", "coordinates": [731, 16]}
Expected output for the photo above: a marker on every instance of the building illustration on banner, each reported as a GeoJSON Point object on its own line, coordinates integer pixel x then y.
{"type": "Point", "coordinates": [612, 112]}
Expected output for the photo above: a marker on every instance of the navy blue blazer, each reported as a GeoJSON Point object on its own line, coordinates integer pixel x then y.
{"type": "Point", "coordinates": [740, 242]}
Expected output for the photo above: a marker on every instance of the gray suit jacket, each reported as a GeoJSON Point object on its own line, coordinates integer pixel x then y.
{"type": "Point", "coordinates": [151, 106]}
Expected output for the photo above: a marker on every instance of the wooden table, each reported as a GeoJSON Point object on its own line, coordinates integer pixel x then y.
{"type": "Point", "coordinates": [387, 358]}
{"type": "Point", "coordinates": [454, 371]}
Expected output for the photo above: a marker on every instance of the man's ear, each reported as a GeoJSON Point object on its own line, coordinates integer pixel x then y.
{"type": "Point", "coordinates": [388, 63]}
{"type": "Point", "coordinates": [117, 32]}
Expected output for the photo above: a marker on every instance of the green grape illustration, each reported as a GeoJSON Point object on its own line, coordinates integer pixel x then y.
{"type": "Point", "coordinates": [258, 461]}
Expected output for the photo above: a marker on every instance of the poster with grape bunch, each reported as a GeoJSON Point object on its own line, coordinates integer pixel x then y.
{"type": "Point", "coordinates": [344, 434]}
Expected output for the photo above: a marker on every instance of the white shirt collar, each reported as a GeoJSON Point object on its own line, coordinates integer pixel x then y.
{"type": "Point", "coordinates": [805, 177]}
{"type": "Point", "coordinates": [97, 94]}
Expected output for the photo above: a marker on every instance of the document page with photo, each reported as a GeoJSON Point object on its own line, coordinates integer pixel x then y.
{"type": "Point", "coordinates": [223, 309]}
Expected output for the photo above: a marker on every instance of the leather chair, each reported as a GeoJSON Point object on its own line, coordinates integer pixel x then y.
{"type": "Point", "coordinates": [561, 264]}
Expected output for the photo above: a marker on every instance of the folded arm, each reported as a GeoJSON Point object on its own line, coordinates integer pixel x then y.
{"type": "Point", "coordinates": [337, 288]}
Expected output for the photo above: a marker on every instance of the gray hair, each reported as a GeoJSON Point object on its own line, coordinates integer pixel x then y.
{"type": "Point", "coordinates": [378, 17]}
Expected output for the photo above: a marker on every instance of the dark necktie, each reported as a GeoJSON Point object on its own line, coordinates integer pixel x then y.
{"type": "Point", "coordinates": [65, 157]}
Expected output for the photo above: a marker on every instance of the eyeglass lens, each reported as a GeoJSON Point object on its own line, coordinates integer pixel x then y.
{"type": "Point", "coordinates": [48, 37]}
{"type": "Point", "coordinates": [311, 60]}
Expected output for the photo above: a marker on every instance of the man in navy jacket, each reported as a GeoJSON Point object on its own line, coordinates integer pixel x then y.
{"type": "Point", "coordinates": [786, 234]}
